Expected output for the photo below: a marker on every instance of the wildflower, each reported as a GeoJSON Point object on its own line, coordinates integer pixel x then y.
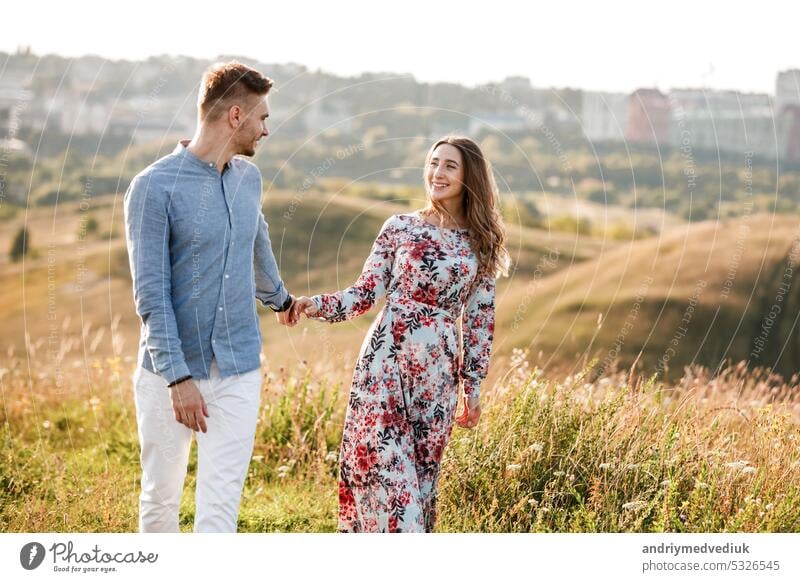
{"type": "Point", "coordinates": [283, 470]}
{"type": "Point", "coordinates": [633, 505]}
{"type": "Point", "coordinates": [558, 473]}
{"type": "Point", "coordinates": [46, 424]}
{"type": "Point", "coordinates": [665, 482]}
{"type": "Point", "coordinates": [749, 470]}
{"type": "Point", "coordinates": [513, 468]}
{"type": "Point", "coordinates": [632, 466]}
{"type": "Point", "coordinates": [737, 464]}
{"type": "Point", "coordinates": [701, 485]}
{"type": "Point", "coordinates": [538, 447]}
{"type": "Point", "coordinates": [769, 506]}
{"type": "Point", "coordinates": [605, 466]}
{"type": "Point", "coordinates": [332, 457]}
{"type": "Point", "coordinates": [532, 502]}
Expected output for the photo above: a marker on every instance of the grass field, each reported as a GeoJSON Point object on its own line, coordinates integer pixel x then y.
{"type": "Point", "coordinates": [620, 453]}
{"type": "Point", "coordinates": [578, 434]}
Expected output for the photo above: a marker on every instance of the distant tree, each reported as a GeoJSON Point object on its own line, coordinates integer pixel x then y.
{"type": "Point", "coordinates": [91, 225]}
{"type": "Point", "coordinates": [21, 244]}
{"type": "Point", "coordinates": [570, 224]}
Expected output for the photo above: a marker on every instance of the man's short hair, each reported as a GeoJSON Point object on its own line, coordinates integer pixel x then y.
{"type": "Point", "coordinates": [226, 83]}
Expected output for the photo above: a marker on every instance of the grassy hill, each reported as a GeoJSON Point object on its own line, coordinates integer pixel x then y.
{"type": "Point", "coordinates": [595, 450]}
{"type": "Point", "coordinates": [699, 293]}
{"type": "Point", "coordinates": [74, 290]}
{"type": "Point", "coordinates": [611, 455]}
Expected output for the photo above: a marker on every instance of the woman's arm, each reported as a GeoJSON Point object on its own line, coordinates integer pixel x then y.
{"type": "Point", "coordinates": [370, 286]}
{"type": "Point", "coordinates": [478, 329]}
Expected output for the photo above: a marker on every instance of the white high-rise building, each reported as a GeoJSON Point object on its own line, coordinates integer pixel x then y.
{"type": "Point", "coordinates": [787, 89]}
{"type": "Point", "coordinates": [604, 115]}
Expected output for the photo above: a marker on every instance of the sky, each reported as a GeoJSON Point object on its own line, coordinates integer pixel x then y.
{"type": "Point", "coordinates": [610, 45]}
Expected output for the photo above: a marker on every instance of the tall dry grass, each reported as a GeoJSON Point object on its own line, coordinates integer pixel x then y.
{"type": "Point", "coordinates": [621, 453]}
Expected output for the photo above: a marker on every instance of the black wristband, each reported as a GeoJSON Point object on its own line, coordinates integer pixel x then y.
{"type": "Point", "coordinates": [179, 380]}
{"type": "Point", "coordinates": [286, 305]}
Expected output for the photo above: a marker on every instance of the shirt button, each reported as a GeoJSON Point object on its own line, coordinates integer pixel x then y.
{"type": "Point", "coordinates": [213, 341]}
{"type": "Point", "coordinates": [220, 308]}
{"type": "Point", "coordinates": [227, 276]}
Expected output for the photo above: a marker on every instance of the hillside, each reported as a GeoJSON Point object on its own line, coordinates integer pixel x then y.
{"type": "Point", "coordinates": [721, 279]}
{"type": "Point", "coordinates": [699, 293]}
{"type": "Point", "coordinates": [75, 289]}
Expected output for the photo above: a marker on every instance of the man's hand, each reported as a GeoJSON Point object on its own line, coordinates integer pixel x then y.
{"type": "Point", "coordinates": [189, 405]}
{"type": "Point", "coordinates": [288, 318]}
{"type": "Point", "coordinates": [472, 413]}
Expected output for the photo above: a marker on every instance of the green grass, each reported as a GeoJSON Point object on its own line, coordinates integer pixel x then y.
{"type": "Point", "coordinates": [615, 454]}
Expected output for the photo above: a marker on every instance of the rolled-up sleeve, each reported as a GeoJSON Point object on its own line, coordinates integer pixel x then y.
{"type": "Point", "coordinates": [148, 233]}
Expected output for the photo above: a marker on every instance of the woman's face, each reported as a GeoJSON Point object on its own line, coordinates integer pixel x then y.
{"type": "Point", "coordinates": [445, 173]}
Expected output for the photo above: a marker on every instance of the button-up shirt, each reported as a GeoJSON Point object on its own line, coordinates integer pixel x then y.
{"type": "Point", "coordinates": [199, 253]}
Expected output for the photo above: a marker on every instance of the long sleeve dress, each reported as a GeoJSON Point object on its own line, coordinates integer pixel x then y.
{"type": "Point", "coordinates": [405, 384]}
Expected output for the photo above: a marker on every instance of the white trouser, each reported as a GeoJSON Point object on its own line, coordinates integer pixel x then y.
{"type": "Point", "coordinates": [223, 453]}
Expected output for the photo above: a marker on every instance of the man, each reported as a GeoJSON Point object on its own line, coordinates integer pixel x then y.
{"type": "Point", "coordinates": [200, 252]}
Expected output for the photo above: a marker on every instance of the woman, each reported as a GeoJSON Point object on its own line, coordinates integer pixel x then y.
{"type": "Point", "coordinates": [431, 264]}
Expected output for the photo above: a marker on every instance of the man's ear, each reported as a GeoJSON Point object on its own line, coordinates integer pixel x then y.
{"type": "Point", "coordinates": [235, 115]}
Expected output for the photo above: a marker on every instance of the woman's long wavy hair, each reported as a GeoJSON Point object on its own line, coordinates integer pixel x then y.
{"type": "Point", "coordinates": [481, 207]}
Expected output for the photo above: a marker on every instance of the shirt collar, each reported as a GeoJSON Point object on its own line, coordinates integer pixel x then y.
{"type": "Point", "coordinates": [187, 155]}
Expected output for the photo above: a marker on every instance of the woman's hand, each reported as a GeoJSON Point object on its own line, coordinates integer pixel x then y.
{"type": "Point", "coordinates": [305, 306]}
{"type": "Point", "coordinates": [472, 413]}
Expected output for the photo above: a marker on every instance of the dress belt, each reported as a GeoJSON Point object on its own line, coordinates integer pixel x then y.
{"type": "Point", "coordinates": [408, 304]}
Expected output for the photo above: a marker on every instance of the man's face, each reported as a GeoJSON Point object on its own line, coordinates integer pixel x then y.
{"type": "Point", "coordinates": [253, 125]}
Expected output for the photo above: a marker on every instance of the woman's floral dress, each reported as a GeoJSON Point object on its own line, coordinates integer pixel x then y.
{"type": "Point", "coordinates": [405, 384]}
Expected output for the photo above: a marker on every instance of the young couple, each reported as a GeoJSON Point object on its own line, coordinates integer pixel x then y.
{"type": "Point", "coordinates": [200, 252]}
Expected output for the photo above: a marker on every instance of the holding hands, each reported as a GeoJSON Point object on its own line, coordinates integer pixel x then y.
{"type": "Point", "coordinates": [305, 306]}
{"type": "Point", "coordinates": [300, 305]}
{"type": "Point", "coordinates": [288, 317]}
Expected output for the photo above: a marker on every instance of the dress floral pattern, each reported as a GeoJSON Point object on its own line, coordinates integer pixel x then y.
{"type": "Point", "coordinates": [405, 384]}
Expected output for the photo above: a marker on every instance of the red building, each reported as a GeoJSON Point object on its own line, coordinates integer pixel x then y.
{"type": "Point", "coordinates": [649, 114]}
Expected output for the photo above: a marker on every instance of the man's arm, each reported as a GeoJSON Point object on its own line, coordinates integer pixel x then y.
{"type": "Point", "coordinates": [147, 234]}
{"type": "Point", "coordinates": [270, 289]}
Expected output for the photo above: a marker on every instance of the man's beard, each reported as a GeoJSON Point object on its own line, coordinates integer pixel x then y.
{"type": "Point", "coordinates": [247, 148]}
